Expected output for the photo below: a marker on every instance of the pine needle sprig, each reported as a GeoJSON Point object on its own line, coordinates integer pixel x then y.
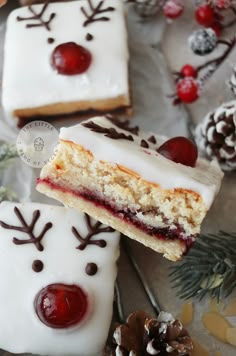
{"type": "Point", "coordinates": [8, 151]}
{"type": "Point", "coordinates": [7, 194]}
{"type": "Point", "coordinates": [208, 269]}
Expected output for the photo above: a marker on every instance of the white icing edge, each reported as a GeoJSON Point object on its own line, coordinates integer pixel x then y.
{"type": "Point", "coordinates": [204, 178]}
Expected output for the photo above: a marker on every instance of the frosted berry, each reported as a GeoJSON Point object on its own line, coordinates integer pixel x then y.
{"type": "Point", "coordinates": [205, 15]}
{"type": "Point", "coordinates": [180, 150]}
{"type": "Point", "coordinates": [61, 306]}
{"type": "Point", "coordinates": [203, 41]}
{"type": "Point", "coordinates": [187, 90]}
{"type": "Point", "coordinates": [70, 59]}
{"type": "Point", "coordinates": [221, 4]}
{"type": "Point", "coordinates": [172, 9]}
{"type": "Point", "coordinates": [189, 71]}
{"type": "Point", "coordinates": [147, 8]}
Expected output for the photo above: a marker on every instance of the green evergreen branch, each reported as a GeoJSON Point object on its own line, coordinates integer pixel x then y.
{"type": "Point", "coordinates": [209, 268]}
{"type": "Point", "coordinates": [7, 194]}
{"type": "Point", "coordinates": [8, 151]}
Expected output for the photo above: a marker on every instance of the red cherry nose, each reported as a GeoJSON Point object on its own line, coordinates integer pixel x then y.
{"type": "Point", "coordinates": [60, 305]}
{"type": "Point", "coordinates": [70, 58]}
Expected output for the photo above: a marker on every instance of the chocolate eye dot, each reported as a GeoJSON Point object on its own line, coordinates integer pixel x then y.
{"type": "Point", "coordinates": [91, 269]}
{"type": "Point", "coordinates": [50, 40]}
{"type": "Point", "coordinates": [37, 266]}
{"type": "Point", "coordinates": [89, 37]}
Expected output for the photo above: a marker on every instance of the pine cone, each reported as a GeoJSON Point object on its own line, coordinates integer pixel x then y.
{"type": "Point", "coordinates": [143, 335]}
{"type": "Point", "coordinates": [146, 8]}
{"type": "Point", "coordinates": [216, 136]}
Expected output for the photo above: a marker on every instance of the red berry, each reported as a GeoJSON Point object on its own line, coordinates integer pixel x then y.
{"type": "Point", "coordinates": [60, 305]}
{"type": "Point", "coordinates": [187, 90]}
{"type": "Point", "coordinates": [70, 59]}
{"type": "Point", "coordinates": [180, 150]}
{"type": "Point", "coordinates": [189, 71]}
{"type": "Point", "coordinates": [205, 15]}
{"type": "Point", "coordinates": [217, 28]}
{"type": "Point", "coordinates": [222, 4]}
{"type": "Point", "coordinates": [173, 9]}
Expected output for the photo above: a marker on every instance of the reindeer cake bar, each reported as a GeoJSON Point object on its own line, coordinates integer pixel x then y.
{"type": "Point", "coordinates": [151, 189]}
{"type": "Point", "coordinates": [72, 60]}
{"type": "Point", "coordinates": [57, 296]}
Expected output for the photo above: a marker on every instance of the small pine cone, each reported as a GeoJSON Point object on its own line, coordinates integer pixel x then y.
{"type": "Point", "coordinates": [216, 136]}
{"type": "Point", "coordinates": [142, 335]}
{"type": "Point", "coordinates": [146, 8]}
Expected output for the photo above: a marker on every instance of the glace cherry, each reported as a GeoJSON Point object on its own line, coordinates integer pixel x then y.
{"type": "Point", "coordinates": [70, 58]}
{"type": "Point", "coordinates": [60, 305]}
{"type": "Point", "coordinates": [180, 150]}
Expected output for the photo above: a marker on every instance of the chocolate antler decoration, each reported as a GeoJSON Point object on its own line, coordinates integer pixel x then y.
{"type": "Point", "coordinates": [28, 229]}
{"type": "Point", "coordinates": [95, 11]}
{"type": "Point", "coordinates": [124, 125]}
{"type": "Point", "coordinates": [38, 17]}
{"type": "Point", "coordinates": [109, 132]}
{"type": "Point", "coordinates": [92, 230]}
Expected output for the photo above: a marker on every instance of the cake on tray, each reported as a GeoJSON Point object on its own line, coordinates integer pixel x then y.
{"type": "Point", "coordinates": [125, 180]}
{"type": "Point", "coordinates": [58, 269]}
{"type": "Point", "coordinates": [68, 63]}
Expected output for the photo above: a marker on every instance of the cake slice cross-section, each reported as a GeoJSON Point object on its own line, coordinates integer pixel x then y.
{"type": "Point", "coordinates": [72, 61]}
{"type": "Point", "coordinates": [119, 177]}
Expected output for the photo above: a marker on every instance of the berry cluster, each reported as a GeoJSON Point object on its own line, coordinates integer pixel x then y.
{"type": "Point", "coordinates": [211, 14]}
{"type": "Point", "coordinates": [171, 9]}
{"type": "Point", "coordinates": [189, 80]}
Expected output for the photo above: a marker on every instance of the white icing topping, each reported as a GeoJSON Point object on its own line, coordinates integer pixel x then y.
{"type": "Point", "coordinates": [203, 179]}
{"type": "Point", "coordinates": [150, 349]}
{"type": "Point", "coordinates": [117, 336]}
{"type": "Point", "coordinates": [63, 263]}
{"type": "Point", "coordinates": [30, 81]}
{"type": "Point", "coordinates": [169, 348]}
{"type": "Point", "coordinates": [118, 351]}
{"type": "Point", "coordinates": [163, 328]}
{"type": "Point", "coordinates": [165, 317]}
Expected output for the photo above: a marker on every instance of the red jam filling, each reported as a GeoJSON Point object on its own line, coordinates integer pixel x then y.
{"type": "Point", "coordinates": [160, 233]}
